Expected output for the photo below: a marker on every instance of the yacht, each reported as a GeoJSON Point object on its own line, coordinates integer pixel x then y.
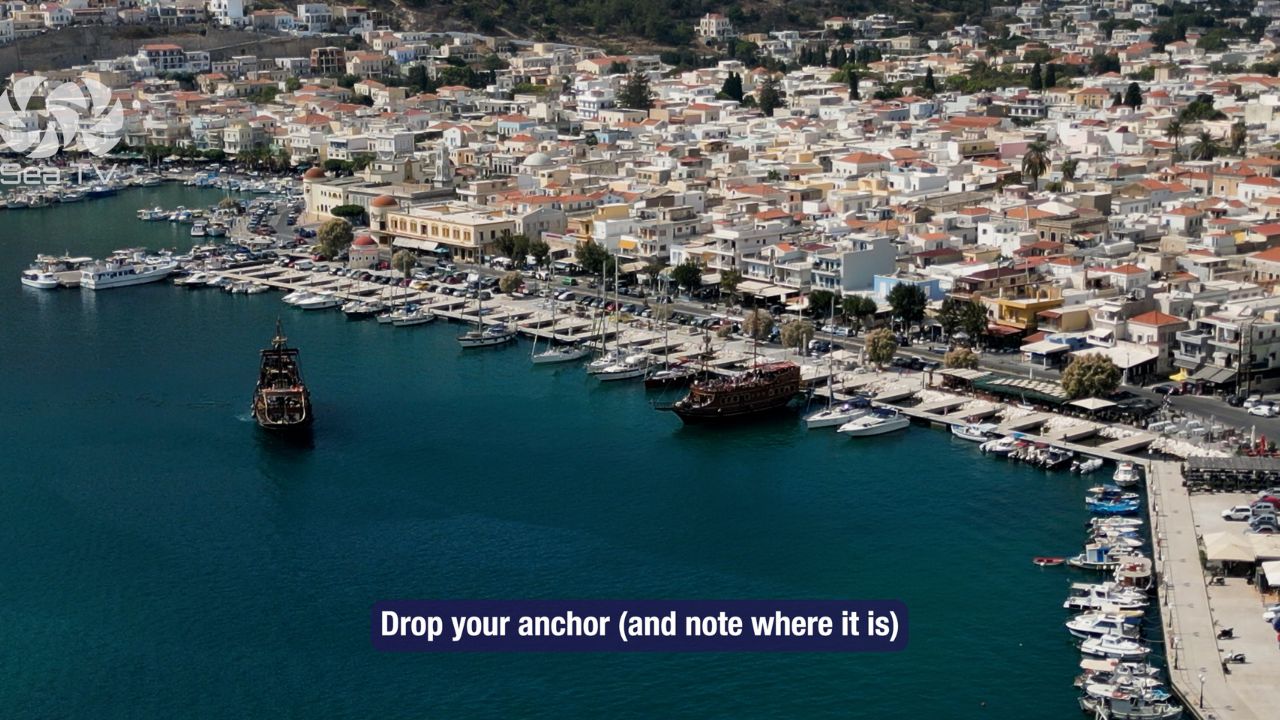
{"type": "Point", "coordinates": [613, 357]}
{"type": "Point", "coordinates": [977, 432]}
{"type": "Point", "coordinates": [671, 375]}
{"type": "Point", "coordinates": [561, 353]}
{"type": "Point", "coordinates": [295, 297]}
{"type": "Point", "coordinates": [834, 415]}
{"type": "Point", "coordinates": [878, 422]}
{"type": "Point", "coordinates": [125, 269]}
{"type": "Point", "coordinates": [1104, 596]}
{"type": "Point", "coordinates": [39, 279]}
{"type": "Point", "coordinates": [1002, 447]}
{"type": "Point", "coordinates": [1127, 474]}
{"type": "Point", "coordinates": [1098, 624]}
{"type": "Point", "coordinates": [194, 280]}
{"type": "Point", "coordinates": [1110, 646]}
{"type": "Point", "coordinates": [1100, 556]}
{"type": "Point", "coordinates": [1131, 707]}
{"type": "Point", "coordinates": [198, 229]}
{"type": "Point", "coordinates": [257, 289]}
{"type": "Point", "coordinates": [631, 368]}
{"type": "Point", "coordinates": [411, 315]}
{"type": "Point", "coordinates": [319, 301]}
{"type": "Point", "coordinates": [48, 272]}
{"type": "Point", "coordinates": [360, 309]}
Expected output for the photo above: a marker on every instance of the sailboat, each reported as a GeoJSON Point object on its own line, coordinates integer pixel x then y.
{"type": "Point", "coordinates": [556, 353]}
{"type": "Point", "coordinates": [608, 358]}
{"type": "Point", "coordinates": [486, 336]}
{"type": "Point", "coordinates": [669, 375]}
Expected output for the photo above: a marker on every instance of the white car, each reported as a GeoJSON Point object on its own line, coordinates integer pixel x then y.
{"type": "Point", "coordinates": [1252, 400]}
{"type": "Point", "coordinates": [1263, 410]}
{"type": "Point", "coordinates": [1238, 512]}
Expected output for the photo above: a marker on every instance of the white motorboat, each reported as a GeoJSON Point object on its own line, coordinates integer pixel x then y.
{"type": "Point", "coordinates": [1084, 467]}
{"type": "Point", "coordinates": [294, 297]}
{"type": "Point", "coordinates": [410, 316]}
{"type": "Point", "coordinates": [1097, 624]}
{"type": "Point", "coordinates": [561, 353]}
{"type": "Point", "coordinates": [835, 415]}
{"type": "Point", "coordinates": [319, 301]}
{"type": "Point", "coordinates": [878, 422]}
{"type": "Point", "coordinates": [1128, 707]}
{"type": "Point", "coordinates": [976, 432]}
{"type": "Point", "coordinates": [125, 269]}
{"type": "Point", "coordinates": [198, 229]}
{"type": "Point", "coordinates": [1127, 474]}
{"type": "Point", "coordinates": [1104, 596]}
{"type": "Point", "coordinates": [488, 337]}
{"type": "Point", "coordinates": [1131, 523]}
{"type": "Point", "coordinates": [360, 309]}
{"type": "Point", "coordinates": [39, 279]}
{"type": "Point", "coordinates": [1111, 646]}
{"type": "Point", "coordinates": [631, 368]}
{"type": "Point", "coordinates": [194, 280]}
{"type": "Point", "coordinates": [257, 289]}
{"type": "Point", "coordinates": [1002, 447]}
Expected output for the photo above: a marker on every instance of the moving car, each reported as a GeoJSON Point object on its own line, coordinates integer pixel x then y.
{"type": "Point", "coordinates": [1236, 512]}
{"type": "Point", "coordinates": [1263, 410]}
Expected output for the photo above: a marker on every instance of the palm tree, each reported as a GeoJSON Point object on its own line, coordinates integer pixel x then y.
{"type": "Point", "coordinates": [1174, 132]}
{"type": "Point", "coordinates": [1205, 147]}
{"type": "Point", "coordinates": [1036, 162]}
{"type": "Point", "coordinates": [1239, 137]}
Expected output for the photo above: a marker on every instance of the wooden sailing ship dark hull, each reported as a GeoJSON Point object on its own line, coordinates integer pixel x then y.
{"type": "Point", "coordinates": [759, 392]}
{"type": "Point", "coordinates": [281, 401]}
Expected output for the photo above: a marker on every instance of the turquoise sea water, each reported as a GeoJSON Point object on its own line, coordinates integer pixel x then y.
{"type": "Point", "coordinates": [162, 557]}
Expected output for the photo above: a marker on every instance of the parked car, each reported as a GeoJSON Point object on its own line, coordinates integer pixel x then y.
{"type": "Point", "coordinates": [1234, 400]}
{"type": "Point", "coordinates": [1238, 513]}
{"type": "Point", "coordinates": [1263, 410]}
{"type": "Point", "coordinates": [1252, 400]}
{"type": "Point", "coordinates": [1167, 388]}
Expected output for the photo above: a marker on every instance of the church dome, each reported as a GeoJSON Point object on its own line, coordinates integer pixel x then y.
{"type": "Point", "coordinates": [314, 173]}
{"type": "Point", "coordinates": [537, 160]}
{"type": "Point", "coordinates": [383, 201]}
{"type": "Point", "coordinates": [364, 241]}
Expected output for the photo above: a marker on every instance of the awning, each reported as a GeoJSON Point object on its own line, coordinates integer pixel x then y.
{"type": "Point", "coordinates": [633, 267]}
{"type": "Point", "coordinates": [711, 279]}
{"type": "Point", "coordinates": [1002, 330]}
{"type": "Point", "coordinates": [777, 291]}
{"type": "Point", "coordinates": [626, 244]}
{"type": "Point", "coordinates": [1271, 571]}
{"type": "Point", "coordinates": [1213, 375]}
{"type": "Point", "coordinates": [1265, 547]}
{"type": "Point", "coordinates": [423, 245]}
{"type": "Point", "coordinates": [1091, 403]}
{"type": "Point", "coordinates": [1180, 376]}
{"type": "Point", "coordinates": [1045, 347]}
{"type": "Point", "coordinates": [752, 287]}
{"type": "Point", "coordinates": [1227, 547]}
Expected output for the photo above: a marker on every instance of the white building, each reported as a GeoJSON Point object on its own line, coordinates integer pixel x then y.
{"type": "Point", "coordinates": [227, 12]}
{"type": "Point", "coordinates": [714, 26]}
{"type": "Point", "coordinates": [315, 16]}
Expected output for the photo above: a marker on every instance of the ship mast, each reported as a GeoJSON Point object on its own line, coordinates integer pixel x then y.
{"type": "Point", "coordinates": [279, 341]}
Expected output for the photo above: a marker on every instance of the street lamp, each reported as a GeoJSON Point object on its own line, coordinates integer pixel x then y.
{"type": "Point", "coordinates": [1201, 704]}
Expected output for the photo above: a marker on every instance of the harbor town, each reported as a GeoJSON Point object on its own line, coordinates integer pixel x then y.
{"type": "Point", "coordinates": [1052, 239]}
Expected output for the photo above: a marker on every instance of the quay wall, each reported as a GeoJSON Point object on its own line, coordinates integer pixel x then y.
{"type": "Point", "coordinates": [83, 44]}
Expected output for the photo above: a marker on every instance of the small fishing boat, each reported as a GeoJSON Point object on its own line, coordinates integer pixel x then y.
{"type": "Point", "coordinates": [1048, 561]}
{"type": "Point", "coordinates": [1110, 646]}
{"type": "Point", "coordinates": [1127, 474]}
{"type": "Point", "coordinates": [1084, 467]}
{"type": "Point", "coordinates": [975, 432]}
{"type": "Point", "coordinates": [1001, 447]}
{"type": "Point", "coordinates": [1104, 596]}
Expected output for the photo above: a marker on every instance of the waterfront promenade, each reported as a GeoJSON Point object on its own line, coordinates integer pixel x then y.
{"type": "Point", "coordinates": [1190, 634]}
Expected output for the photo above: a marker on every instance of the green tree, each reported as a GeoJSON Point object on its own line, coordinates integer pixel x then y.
{"type": "Point", "coordinates": [510, 282]}
{"type": "Point", "coordinates": [908, 302]}
{"type": "Point", "coordinates": [732, 87]}
{"type": "Point", "coordinates": [961, 358]}
{"type": "Point", "coordinates": [594, 258]}
{"type": "Point", "coordinates": [1090, 376]}
{"type": "Point", "coordinates": [687, 275]}
{"type": "Point", "coordinates": [1174, 132]}
{"type": "Point", "coordinates": [360, 161]}
{"type": "Point", "coordinates": [1205, 146]}
{"type": "Point", "coordinates": [334, 237]}
{"type": "Point", "coordinates": [228, 204]}
{"type": "Point", "coordinates": [1133, 96]}
{"type": "Point", "coordinates": [729, 281]}
{"type": "Point", "coordinates": [757, 325]}
{"type": "Point", "coordinates": [854, 94]}
{"type": "Point", "coordinates": [348, 80]}
{"type": "Point", "coordinates": [292, 84]}
{"type": "Point", "coordinates": [636, 94]}
{"type": "Point", "coordinates": [1035, 162]}
{"type": "Point", "coordinates": [404, 262]}
{"type": "Point", "coordinates": [769, 96]}
{"type": "Point", "coordinates": [797, 334]}
{"type": "Point", "coordinates": [880, 346]}
{"type": "Point", "coordinates": [1050, 75]}
{"type": "Point", "coordinates": [858, 308]}
{"type": "Point", "coordinates": [1035, 81]}
{"type": "Point", "coordinates": [354, 214]}
{"type": "Point", "coordinates": [930, 85]}
{"type": "Point", "coordinates": [821, 303]}
{"type": "Point", "coordinates": [1068, 168]}
{"type": "Point", "coordinates": [540, 251]}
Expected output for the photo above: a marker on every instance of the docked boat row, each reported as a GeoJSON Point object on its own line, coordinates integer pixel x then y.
{"type": "Point", "coordinates": [47, 195]}
{"type": "Point", "coordinates": [1117, 680]}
